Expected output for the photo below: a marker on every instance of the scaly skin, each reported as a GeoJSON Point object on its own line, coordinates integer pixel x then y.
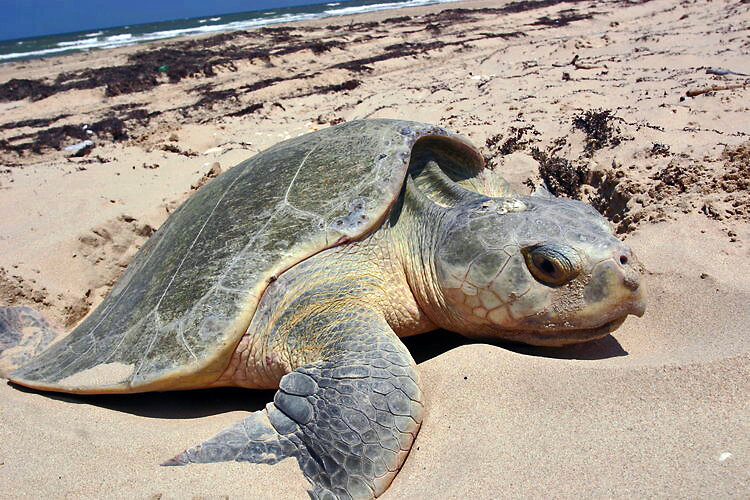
{"type": "Point", "coordinates": [363, 274]}
{"type": "Point", "coordinates": [349, 404]}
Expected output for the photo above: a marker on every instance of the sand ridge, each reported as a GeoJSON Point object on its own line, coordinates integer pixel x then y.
{"type": "Point", "coordinates": [611, 102]}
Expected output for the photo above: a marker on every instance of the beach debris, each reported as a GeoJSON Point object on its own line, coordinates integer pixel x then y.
{"type": "Point", "coordinates": [723, 72]}
{"type": "Point", "coordinates": [658, 149]}
{"type": "Point", "coordinates": [338, 87]}
{"type": "Point", "coordinates": [214, 171]}
{"type": "Point", "coordinates": [560, 175]}
{"type": "Point", "coordinates": [80, 148]}
{"type": "Point", "coordinates": [54, 137]}
{"type": "Point", "coordinates": [515, 140]}
{"type": "Point", "coordinates": [173, 148]}
{"type": "Point", "coordinates": [330, 118]}
{"type": "Point", "coordinates": [714, 88]}
{"type": "Point", "coordinates": [228, 146]}
{"type": "Point", "coordinates": [247, 110]}
{"type": "Point", "coordinates": [564, 18]}
{"type": "Point", "coordinates": [709, 210]}
{"type": "Point", "coordinates": [724, 456]}
{"type": "Point", "coordinates": [17, 89]}
{"type": "Point", "coordinates": [597, 125]}
{"type": "Point", "coordinates": [579, 65]}
{"type": "Point", "coordinates": [33, 122]}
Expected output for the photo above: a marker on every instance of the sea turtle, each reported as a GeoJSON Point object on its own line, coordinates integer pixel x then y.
{"type": "Point", "coordinates": [300, 268]}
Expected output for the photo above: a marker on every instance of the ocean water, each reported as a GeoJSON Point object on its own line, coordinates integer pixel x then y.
{"type": "Point", "coordinates": [52, 45]}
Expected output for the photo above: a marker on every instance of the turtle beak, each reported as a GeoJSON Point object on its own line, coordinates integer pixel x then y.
{"type": "Point", "coordinates": [630, 270]}
{"type": "Point", "coordinates": [638, 304]}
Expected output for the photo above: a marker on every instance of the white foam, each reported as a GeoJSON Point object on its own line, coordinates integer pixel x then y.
{"type": "Point", "coordinates": [43, 52]}
{"type": "Point", "coordinates": [119, 38]}
{"type": "Point", "coordinates": [346, 11]}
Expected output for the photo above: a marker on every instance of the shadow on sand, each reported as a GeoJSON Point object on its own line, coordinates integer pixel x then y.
{"type": "Point", "coordinates": [430, 345]}
{"type": "Point", "coordinates": [205, 402]}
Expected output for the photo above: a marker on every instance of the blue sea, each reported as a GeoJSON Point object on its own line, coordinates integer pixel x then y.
{"type": "Point", "coordinates": [52, 45]}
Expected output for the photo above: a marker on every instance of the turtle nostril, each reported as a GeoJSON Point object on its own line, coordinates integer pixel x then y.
{"type": "Point", "coordinates": [623, 260]}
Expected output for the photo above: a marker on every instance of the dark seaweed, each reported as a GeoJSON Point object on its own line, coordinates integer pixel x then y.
{"type": "Point", "coordinates": [514, 141]}
{"type": "Point", "coordinates": [34, 122]}
{"type": "Point", "coordinates": [55, 137]}
{"type": "Point", "coordinates": [19, 89]}
{"type": "Point", "coordinates": [261, 84]}
{"type": "Point", "coordinates": [563, 18]}
{"type": "Point", "coordinates": [203, 57]}
{"type": "Point", "coordinates": [524, 6]}
{"type": "Point", "coordinates": [338, 87]}
{"type": "Point", "coordinates": [247, 110]}
{"type": "Point", "coordinates": [597, 125]}
{"type": "Point", "coordinates": [392, 52]}
{"type": "Point", "coordinates": [561, 177]}
{"type": "Point", "coordinates": [659, 150]}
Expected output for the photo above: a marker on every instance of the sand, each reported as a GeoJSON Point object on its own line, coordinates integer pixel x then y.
{"type": "Point", "coordinates": [594, 93]}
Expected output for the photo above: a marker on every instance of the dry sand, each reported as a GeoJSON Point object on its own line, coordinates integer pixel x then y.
{"type": "Point", "coordinates": [658, 409]}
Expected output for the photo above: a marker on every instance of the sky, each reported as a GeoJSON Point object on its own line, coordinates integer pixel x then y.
{"type": "Point", "coordinates": [29, 18]}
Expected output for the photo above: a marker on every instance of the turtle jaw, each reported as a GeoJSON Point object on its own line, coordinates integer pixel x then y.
{"type": "Point", "coordinates": [546, 329]}
{"type": "Point", "coordinates": [559, 338]}
{"type": "Point", "coordinates": [575, 332]}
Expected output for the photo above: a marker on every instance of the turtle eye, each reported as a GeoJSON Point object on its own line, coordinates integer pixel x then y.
{"type": "Point", "coordinates": [552, 264]}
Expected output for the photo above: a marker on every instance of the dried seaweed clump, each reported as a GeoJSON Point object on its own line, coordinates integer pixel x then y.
{"type": "Point", "coordinates": [515, 140]}
{"type": "Point", "coordinates": [57, 137]}
{"type": "Point", "coordinates": [18, 89]}
{"type": "Point", "coordinates": [597, 125]}
{"type": "Point", "coordinates": [562, 177]}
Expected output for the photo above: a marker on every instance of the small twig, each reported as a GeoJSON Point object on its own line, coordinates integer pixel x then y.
{"type": "Point", "coordinates": [579, 65]}
{"type": "Point", "coordinates": [713, 88]}
{"type": "Point", "coordinates": [590, 66]}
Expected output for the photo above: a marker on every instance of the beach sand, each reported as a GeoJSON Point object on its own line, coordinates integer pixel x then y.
{"type": "Point", "coordinates": [591, 96]}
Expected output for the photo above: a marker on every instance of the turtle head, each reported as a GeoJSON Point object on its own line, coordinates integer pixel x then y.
{"type": "Point", "coordinates": [535, 269]}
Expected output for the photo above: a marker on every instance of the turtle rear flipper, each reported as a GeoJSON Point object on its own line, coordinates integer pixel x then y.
{"type": "Point", "coordinates": [349, 420]}
{"type": "Point", "coordinates": [24, 334]}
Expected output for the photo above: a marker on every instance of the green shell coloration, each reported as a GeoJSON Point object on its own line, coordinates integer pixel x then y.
{"type": "Point", "coordinates": [177, 313]}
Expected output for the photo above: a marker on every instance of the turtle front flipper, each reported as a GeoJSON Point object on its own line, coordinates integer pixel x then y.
{"type": "Point", "coordinates": [24, 334]}
{"type": "Point", "coordinates": [349, 419]}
